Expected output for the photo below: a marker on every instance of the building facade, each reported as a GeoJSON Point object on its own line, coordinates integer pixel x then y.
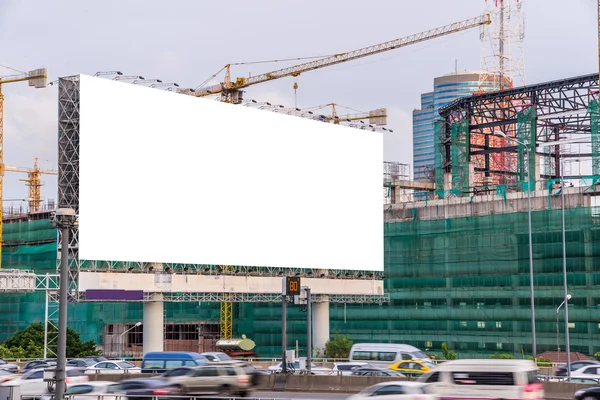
{"type": "Point", "coordinates": [446, 89]}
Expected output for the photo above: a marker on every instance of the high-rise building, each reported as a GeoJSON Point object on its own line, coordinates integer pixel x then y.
{"type": "Point", "coordinates": [446, 88]}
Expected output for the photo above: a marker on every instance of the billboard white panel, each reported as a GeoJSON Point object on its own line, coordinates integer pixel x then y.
{"type": "Point", "coordinates": [171, 178]}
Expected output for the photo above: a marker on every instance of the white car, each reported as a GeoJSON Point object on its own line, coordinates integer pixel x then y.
{"type": "Point", "coordinates": [113, 367]}
{"type": "Point", "coordinates": [345, 368]}
{"type": "Point", "coordinates": [32, 382]}
{"type": "Point", "coordinates": [589, 371]}
{"type": "Point", "coordinates": [295, 368]}
{"type": "Point", "coordinates": [394, 390]}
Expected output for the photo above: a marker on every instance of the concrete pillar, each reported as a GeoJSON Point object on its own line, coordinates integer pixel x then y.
{"type": "Point", "coordinates": [320, 313]}
{"type": "Point", "coordinates": [153, 322]}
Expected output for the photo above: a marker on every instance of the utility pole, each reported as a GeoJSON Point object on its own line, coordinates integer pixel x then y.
{"type": "Point", "coordinates": [308, 330]}
{"type": "Point", "coordinates": [64, 219]}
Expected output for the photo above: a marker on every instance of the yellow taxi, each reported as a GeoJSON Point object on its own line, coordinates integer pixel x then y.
{"type": "Point", "coordinates": [412, 367]}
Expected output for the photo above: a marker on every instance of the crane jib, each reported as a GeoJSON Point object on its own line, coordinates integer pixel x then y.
{"type": "Point", "coordinates": [349, 56]}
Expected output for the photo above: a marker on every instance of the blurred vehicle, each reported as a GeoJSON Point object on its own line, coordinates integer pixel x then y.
{"type": "Point", "coordinates": [9, 367]}
{"type": "Point", "coordinates": [345, 368]}
{"type": "Point", "coordinates": [32, 383]}
{"type": "Point", "coordinates": [161, 361]}
{"type": "Point", "coordinates": [294, 368]}
{"type": "Point", "coordinates": [141, 389]}
{"type": "Point", "coordinates": [412, 368]}
{"type": "Point", "coordinates": [113, 367]}
{"type": "Point", "coordinates": [384, 354]}
{"type": "Point", "coordinates": [591, 393]}
{"type": "Point", "coordinates": [375, 371]}
{"type": "Point", "coordinates": [81, 362]}
{"type": "Point", "coordinates": [401, 390]}
{"type": "Point", "coordinates": [96, 359]}
{"type": "Point", "coordinates": [45, 363]}
{"type": "Point", "coordinates": [86, 391]}
{"type": "Point", "coordinates": [582, 380]}
{"type": "Point", "coordinates": [216, 356]}
{"type": "Point", "coordinates": [223, 380]}
{"type": "Point", "coordinates": [561, 370]}
{"type": "Point", "coordinates": [589, 371]}
{"type": "Point", "coordinates": [490, 379]}
{"type": "Point", "coordinates": [6, 375]}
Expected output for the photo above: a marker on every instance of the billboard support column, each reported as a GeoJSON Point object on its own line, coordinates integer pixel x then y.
{"type": "Point", "coordinates": [153, 324]}
{"type": "Point", "coordinates": [321, 320]}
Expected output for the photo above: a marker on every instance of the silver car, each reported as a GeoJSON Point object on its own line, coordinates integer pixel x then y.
{"type": "Point", "coordinates": [222, 380]}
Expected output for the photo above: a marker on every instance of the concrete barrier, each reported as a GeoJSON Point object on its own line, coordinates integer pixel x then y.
{"type": "Point", "coordinates": [343, 383]}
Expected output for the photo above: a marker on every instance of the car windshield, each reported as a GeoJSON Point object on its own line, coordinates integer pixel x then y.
{"type": "Point", "coordinates": [429, 365]}
{"type": "Point", "coordinates": [419, 355]}
{"type": "Point", "coordinates": [125, 365]}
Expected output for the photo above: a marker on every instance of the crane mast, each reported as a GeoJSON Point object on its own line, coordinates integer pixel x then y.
{"type": "Point", "coordinates": [35, 78]}
{"type": "Point", "coordinates": [231, 90]}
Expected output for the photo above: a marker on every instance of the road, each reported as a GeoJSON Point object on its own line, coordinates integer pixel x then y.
{"type": "Point", "coordinates": [300, 396]}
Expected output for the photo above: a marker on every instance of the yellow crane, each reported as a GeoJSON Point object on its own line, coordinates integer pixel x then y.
{"type": "Point", "coordinates": [231, 92]}
{"type": "Point", "coordinates": [376, 117]}
{"type": "Point", "coordinates": [37, 79]}
{"type": "Point", "coordinates": [34, 183]}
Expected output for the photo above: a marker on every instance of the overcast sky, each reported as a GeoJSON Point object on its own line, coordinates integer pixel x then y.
{"type": "Point", "coordinates": [187, 41]}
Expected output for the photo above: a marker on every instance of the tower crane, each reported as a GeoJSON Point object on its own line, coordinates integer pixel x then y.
{"type": "Point", "coordinates": [34, 183]}
{"type": "Point", "coordinates": [36, 78]}
{"type": "Point", "coordinates": [375, 117]}
{"type": "Point", "coordinates": [231, 91]}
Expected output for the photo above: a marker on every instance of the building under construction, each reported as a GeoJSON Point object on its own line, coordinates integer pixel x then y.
{"type": "Point", "coordinates": [456, 263]}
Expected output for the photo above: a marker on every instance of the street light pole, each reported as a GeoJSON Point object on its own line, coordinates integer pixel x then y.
{"type": "Point", "coordinates": [529, 226]}
{"type": "Point", "coordinates": [64, 219]}
{"type": "Point", "coordinates": [565, 286]}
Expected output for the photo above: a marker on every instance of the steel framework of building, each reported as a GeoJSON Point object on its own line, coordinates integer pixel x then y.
{"type": "Point", "coordinates": [559, 112]}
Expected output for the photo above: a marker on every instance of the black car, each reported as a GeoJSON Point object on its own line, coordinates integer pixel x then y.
{"type": "Point", "coordinates": [34, 364]}
{"type": "Point", "coordinates": [375, 371]}
{"type": "Point", "coordinates": [144, 389]}
{"type": "Point", "coordinates": [561, 370]}
{"type": "Point", "coordinates": [587, 393]}
{"type": "Point", "coordinates": [81, 362]}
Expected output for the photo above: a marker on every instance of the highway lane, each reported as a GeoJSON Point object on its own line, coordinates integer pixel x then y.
{"type": "Point", "coordinates": [300, 395]}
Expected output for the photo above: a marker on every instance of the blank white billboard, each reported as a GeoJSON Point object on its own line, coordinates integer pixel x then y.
{"type": "Point", "coordinates": [169, 178]}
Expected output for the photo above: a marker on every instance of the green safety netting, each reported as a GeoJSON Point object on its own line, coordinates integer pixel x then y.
{"type": "Point", "coordinates": [463, 281]}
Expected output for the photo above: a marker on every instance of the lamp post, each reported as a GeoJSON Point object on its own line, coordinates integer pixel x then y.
{"type": "Point", "coordinates": [132, 328]}
{"type": "Point", "coordinates": [557, 328]}
{"type": "Point", "coordinates": [565, 288]}
{"type": "Point", "coordinates": [64, 219]}
{"type": "Point", "coordinates": [531, 290]}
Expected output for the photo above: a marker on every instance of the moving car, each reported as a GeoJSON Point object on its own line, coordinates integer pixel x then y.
{"type": "Point", "coordinates": [294, 368]}
{"type": "Point", "coordinates": [412, 368]}
{"type": "Point", "coordinates": [375, 371]}
{"type": "Point", "coordinates": [161, 361]}
{"type": "Point", "coordinates": [561, 370]}
{"type": "Point", "coordinates": [401, 390]}
{"type": "Point", "coordinates": [86, 391]}
{"type": "Point", "coordinates": [345, 368]}
{"type": "Point", "coordinates": [384, 354]}
{"type": "Point", "coordinates": [113, 367]}
{"type": "Point", "coordinates": [489, 379]}
{"type": "Point", "coordinates": [223, 380]}
{"type": "Point", "coordinates": [32, 383]}
{"type": "Point", "coordinates": [9, 367]}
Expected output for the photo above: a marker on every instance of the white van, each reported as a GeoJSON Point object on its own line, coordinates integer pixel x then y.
{"type": "Point", "coordinates": [385, 354]}
{"type": "Point", "coordinates": [489, 379]}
